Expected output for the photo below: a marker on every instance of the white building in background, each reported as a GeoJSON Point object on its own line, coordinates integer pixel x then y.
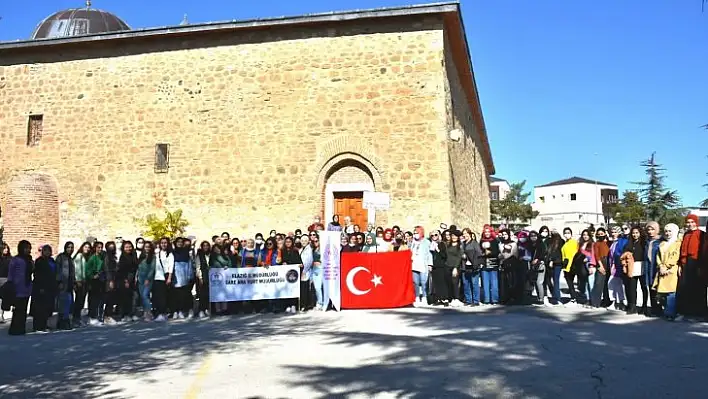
{"type": "Point", "coordinates": [575, 202]}
{"type": "Point", "coordinates": [498, 188]}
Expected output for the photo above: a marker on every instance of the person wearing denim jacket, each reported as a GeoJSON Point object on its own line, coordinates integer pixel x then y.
{"type": "Point", "coordinates": [145, 277]}
{"type": "Point", "coordinates": [650, 268]}
{"type": "Point", "coordinates": [422, 263]}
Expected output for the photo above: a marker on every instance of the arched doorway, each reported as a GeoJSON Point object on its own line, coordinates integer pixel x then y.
{"type": "Point", "coordinates": [346, 180]}
{"type": "Point", "coordinates": [32, 211]}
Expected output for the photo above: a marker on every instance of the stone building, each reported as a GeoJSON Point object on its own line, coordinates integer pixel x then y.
{"type": "Point", "coordinates": [245, 125]}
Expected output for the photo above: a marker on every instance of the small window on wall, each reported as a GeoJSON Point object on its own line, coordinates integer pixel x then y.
{"type": "Point", "coordinates": [573, 197]}
{"type": "Point", "coordinates": [162, 158]}
{"type": "Point", "coordinates": [542, 199]}
{"type": "Point", "coordinates": [495, 196]}
{"type": "Point", "coordinates": [35, 126]}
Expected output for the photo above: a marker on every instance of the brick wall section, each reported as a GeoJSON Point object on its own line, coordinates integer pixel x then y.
{"type": "Point", "coordinates": [32, 211]}
{"type": "Point", "coordinates": [251, 119]}
{"type": "Point", "coordinates": [469, 176]}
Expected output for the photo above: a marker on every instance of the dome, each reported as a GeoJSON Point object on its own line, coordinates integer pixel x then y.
{"type": "Point", "coordinates": [77, 22]}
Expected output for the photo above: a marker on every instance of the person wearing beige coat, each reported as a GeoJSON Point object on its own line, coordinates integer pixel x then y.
{"type": "Point", "coordinates": [667, 278]}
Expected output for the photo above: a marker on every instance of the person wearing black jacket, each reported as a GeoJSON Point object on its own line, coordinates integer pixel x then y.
{"type": "Point", "coordinates": [471, 265]}
{"type": "Point", "coordinates": [44, 289]}
{"type": "Point", "coordinates": [555, 266]}
{"type": "Point", "coordinates": [537, 265]}
{"type": "Point", "coordinates": [66, 277]}
{"type": "Point", "coordinates": [637, 247]}
{"type": "Point", "coordinates": [453, 264]}
{"type": "Point", "coordinates": [5, 258]}
{"type": "Point", "coordinates": [544, 234]}
{"type": "Point", "coordinates": [439, 275]}
{"type": "Point", "coordinates": [203, 259]}
{"type": "Point", "coordinates": [110, 268]}
{"type": "Point", "coordinates": [125, 279]}
{"type": "Point", "coordinates": [291, 256]}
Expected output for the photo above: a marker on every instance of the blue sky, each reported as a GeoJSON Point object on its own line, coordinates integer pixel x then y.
{"type": "Point", "coordinates": [559, 80]}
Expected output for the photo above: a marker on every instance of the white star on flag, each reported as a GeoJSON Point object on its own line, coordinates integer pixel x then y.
{"type": "Point", "coordinates": [376, 280]}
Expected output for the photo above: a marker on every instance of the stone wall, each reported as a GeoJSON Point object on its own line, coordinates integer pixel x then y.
{"type": "Point", "coordinates": [469, 176]}
{"type": "Point", "coordinates": [251, 118]}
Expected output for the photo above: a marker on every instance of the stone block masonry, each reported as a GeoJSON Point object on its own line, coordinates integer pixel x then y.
{"type": "Point", "coordinates": [252, 121]}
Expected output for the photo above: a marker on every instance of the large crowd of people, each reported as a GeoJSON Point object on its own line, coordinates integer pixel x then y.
{"type": "Point", "coordinates": [122, 282]}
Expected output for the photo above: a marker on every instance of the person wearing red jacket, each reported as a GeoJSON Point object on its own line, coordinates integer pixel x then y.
{"type": "Point", "coordinates": [691, 295]}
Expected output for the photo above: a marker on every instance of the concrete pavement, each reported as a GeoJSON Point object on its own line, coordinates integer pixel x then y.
{"type": "Point", "coordinates": [529, 352]}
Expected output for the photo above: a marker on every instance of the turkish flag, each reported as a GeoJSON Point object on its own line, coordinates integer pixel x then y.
{"type": "Point", "coordinates": [376, 280]}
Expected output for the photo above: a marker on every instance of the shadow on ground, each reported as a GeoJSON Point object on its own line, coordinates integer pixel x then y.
{"type": "Point", "coordinates": [441, 353]}
{"type": "Point", "coordinates": [514, 352]}
{"type": "Point", "coordinates": [73, 364]}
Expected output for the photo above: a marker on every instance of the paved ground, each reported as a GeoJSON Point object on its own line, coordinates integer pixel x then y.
{"type": "Point", "coordinates": [413, 353]}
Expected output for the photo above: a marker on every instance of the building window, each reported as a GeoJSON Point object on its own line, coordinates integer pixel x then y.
{"type": "Point", "coordinates": [495, 195]}
{"type": "Point", "coordinates": [573, 197]}
{"type": "Point", "coordinates": [35, 126]}
{"type": "Point", "coordinates": [542, 199]}
{"type": "Point", "coordinates": [162, 158]}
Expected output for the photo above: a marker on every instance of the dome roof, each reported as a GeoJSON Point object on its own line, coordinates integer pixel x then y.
{"type": "Point", "coordinates": [77, 22]}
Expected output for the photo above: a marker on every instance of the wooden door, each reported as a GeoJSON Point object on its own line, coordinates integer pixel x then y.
{"type": "Point", "coordinates": [351, 204]}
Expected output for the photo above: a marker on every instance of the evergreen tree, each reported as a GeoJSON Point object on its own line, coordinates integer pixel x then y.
{"type": "Point", "coordinates": [657, 199]}
{"type": "Point", "coordinates": [513, 209]}
{"type": "Point", "coordinates": [629, 209]}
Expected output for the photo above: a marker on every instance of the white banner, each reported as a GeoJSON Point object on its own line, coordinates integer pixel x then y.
{"type": "Point", "coordinates": [331, 248]}
{"type": "Point", "coordinates": [376, 201]}
{"type": "Point", "coordinates": [254, 283]}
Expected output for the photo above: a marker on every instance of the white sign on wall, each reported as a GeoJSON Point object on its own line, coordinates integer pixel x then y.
{"type": "Point", "coordinates": [377, 201]}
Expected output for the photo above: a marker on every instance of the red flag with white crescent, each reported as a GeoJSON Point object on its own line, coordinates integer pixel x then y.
{"type": "Point", "coordinates": [376, 280]}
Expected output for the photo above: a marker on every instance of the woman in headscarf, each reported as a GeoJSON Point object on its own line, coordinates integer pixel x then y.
{"type": "Point", "coordinates": [219, 260]}
{"type": "Point", "coordinates": [650, 267]}
{"type": "Point", "coordinates": [666, 280]}
{"type": "Point", "coordinates": [370, 244]}
{"type": "Point", "coordinates": [616, 282]}
{"type": "Point", "coordinates": [691, 295]}
{"type": "Point", "coordinates": [44, 289]}
{"type": "Point", "coordinates": [352, 244]}
{"type": "Point", "coordinates": [508, 258]}
{"type": "Point", "coordinates": [334, 224]}
{"type": "Point", "coordinates": [399, 243]}
{"type": "Point", "coordinates": [66, 276]}
{"type": "Point", "coordinates": [20, 274]}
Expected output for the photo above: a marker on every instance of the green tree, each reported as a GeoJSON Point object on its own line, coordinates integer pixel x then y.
{"type": "Point", "coordinates": [657, 199]}
{"type": "Point", "coordinates": [171, 225]}
{"type": "Point", "coordinates": [514, 208]}
{"type": "Point", "coordinates": [629, 209]}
